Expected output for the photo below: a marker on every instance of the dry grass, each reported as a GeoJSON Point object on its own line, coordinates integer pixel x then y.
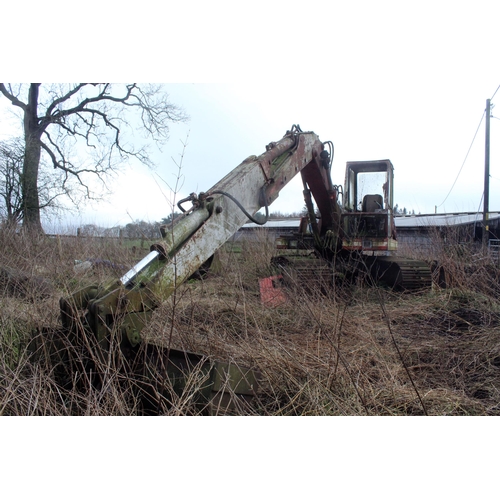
{"type": "Point", "coordinates": [360, 351]}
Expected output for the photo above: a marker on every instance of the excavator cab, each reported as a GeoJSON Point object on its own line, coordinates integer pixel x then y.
{"type": "Point", "coordinates": [367, 219]}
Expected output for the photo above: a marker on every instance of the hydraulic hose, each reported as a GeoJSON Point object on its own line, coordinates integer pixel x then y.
{"type": "Point", "coordinates": [242, 208]}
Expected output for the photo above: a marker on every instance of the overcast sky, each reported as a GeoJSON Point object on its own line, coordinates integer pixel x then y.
{"type": "Point", "coordinates": [405, 81]}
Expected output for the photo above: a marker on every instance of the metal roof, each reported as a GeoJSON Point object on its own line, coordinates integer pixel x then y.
{"type": "Point", "coordinates": [405, 221]}
{"type": "Point", "coordinates": [437, 220]}
{"type": "Point", "coordinates": [275, 223]}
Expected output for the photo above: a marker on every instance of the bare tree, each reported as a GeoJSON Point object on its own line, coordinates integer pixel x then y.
{"type": "Point", "coordinates": [51, 185]}
{"type": "Point", "coordinates": [11, 161]}
{"type": "Point", "coordinates": [65, 121]}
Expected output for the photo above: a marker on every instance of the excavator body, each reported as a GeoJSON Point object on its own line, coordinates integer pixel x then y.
{"type": "Point", "coordinates": [358, 240]}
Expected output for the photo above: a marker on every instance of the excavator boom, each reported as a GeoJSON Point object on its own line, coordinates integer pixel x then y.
{"type": "Point", "coordinates": [213, 219]}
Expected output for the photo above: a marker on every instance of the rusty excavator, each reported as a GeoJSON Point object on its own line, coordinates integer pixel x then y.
{"type": "Point", "coordinates": [349, 229]}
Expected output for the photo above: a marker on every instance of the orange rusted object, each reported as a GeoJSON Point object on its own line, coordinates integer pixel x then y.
{"type": "Point", "coordinates": [271, 291]}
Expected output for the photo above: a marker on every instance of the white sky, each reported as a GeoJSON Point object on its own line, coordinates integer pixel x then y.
{"type": "Point", "coordinates": [406, 81]}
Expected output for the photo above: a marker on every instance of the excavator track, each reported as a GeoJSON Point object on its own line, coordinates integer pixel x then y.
{"type": "Point", "coordinates": [400, 273]}
{"type": "Point", "coordinates": [309, 274]}
{"type": "Point", "coordinates": [313, 274]}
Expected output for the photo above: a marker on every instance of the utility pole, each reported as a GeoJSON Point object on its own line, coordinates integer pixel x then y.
{"type": "Point", "coordinates": [486, 206]}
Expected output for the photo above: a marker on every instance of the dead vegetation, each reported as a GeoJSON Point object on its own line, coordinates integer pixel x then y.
{"type": "Point", "coordinates": [358, 351]}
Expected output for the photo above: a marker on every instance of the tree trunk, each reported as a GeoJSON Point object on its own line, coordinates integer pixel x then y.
{"type": "Point", "coordinates": [32, 134]}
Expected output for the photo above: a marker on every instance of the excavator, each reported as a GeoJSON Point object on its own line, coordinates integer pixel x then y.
{"type": "Point", "coordinates": [352, 231]}
{"type": "Point", "coordinates": [346, 221]}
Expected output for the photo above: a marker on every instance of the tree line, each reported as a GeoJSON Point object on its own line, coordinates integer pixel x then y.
{"type": "Point", "coordinates": [138, 229]}
{"type": "Point", "coordinates": [141, 229]}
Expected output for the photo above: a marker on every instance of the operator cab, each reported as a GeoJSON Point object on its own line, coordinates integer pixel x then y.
{"type": "Point", "coordinates": [367, 220]}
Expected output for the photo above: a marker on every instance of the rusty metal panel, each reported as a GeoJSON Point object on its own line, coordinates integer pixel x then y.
{"type": "Point", "coordinates": [271, 291]}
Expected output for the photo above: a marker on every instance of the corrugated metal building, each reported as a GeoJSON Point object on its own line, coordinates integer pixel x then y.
{"type": "Point", "coordinates": [416, 230]}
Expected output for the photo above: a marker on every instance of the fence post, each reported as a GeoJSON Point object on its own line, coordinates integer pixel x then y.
{"type": "Point", "coordinates": [59, 247]}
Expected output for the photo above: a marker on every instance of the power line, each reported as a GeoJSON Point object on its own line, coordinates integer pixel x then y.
{"type": "Point", "coordinates": [466, 156]}
{"type": "Point", "coordinates": [491, 99]}
{"type": "Point", "coordinates": [480, 203]}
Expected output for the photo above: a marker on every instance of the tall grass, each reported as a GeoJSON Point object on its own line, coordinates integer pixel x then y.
{"type": "Point", "coordinates": [354, 350]}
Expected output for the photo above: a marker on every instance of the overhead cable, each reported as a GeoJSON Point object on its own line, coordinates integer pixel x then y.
{"type": "Point", "coordinates": [491, 99]}
{"type": "Point", "coordinates": [465, 159]}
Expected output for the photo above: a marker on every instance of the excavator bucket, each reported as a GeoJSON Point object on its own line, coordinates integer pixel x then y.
{"type": "Point", "coordinates": [171, 376]}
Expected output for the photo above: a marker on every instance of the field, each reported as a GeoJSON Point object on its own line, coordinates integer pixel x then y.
{"type": "Point", "coordinates": [354, 350]}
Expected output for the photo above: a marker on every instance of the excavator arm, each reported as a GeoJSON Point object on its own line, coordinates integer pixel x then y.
{"type": "Point", "coordinates": [213, 218]}
{"type": "Point", "coordinates": [102, 316]}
